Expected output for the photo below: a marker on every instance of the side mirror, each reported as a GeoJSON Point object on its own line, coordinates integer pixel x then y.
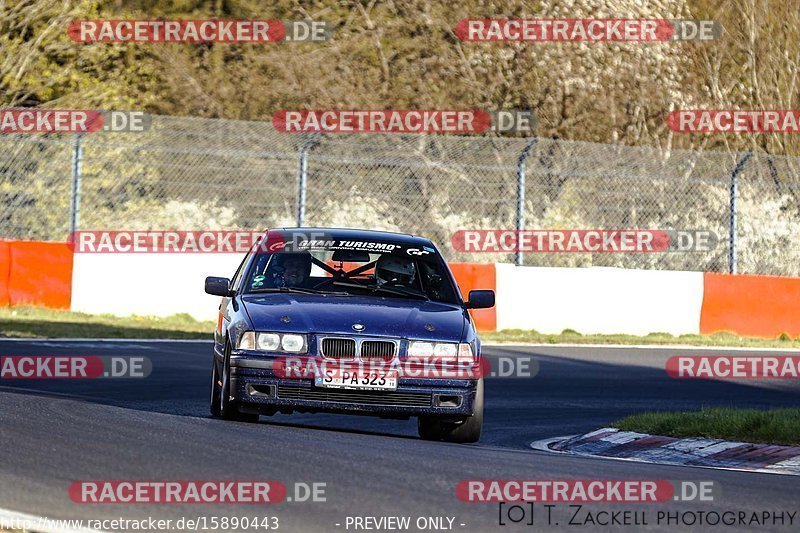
{"type": "Point", "coordinates": [480, 299]}
{"type": "Point", "coordinates": [218, 286]}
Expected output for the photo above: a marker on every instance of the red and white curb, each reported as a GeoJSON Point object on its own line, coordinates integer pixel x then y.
{"type": "Point", "coordinates": [612, 443]}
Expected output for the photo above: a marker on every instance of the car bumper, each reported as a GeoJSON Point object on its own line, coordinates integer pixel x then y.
{"type": "Point", "coordinates": [256, 388]}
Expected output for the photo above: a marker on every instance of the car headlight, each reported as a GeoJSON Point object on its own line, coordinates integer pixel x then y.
{"type": "Point", "coordinates": [268, 342]}
{"type": "Point", "coordinates": [442, 351]}
{"type": "Point", "coordinates": [273, 342]}
{"type": "Point", "coordinates": [420, 349]}
{"type": "Point", "coordinates": [293, 343]}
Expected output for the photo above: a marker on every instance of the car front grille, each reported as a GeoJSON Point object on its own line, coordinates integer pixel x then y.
{"type": "Point", "coordinates": [382, 350]}
{"type": "Point", "coordinates": [348, 348]}
{"type": "Point", "coordinates": [393, 398]}
{"type": "Point", "coordinates": [339, 348]}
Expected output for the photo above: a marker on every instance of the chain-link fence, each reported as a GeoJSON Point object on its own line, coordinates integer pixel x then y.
{"type": "Point", "coordinates": [190, 173]}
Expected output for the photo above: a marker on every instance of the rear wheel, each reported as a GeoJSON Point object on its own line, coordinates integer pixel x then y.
{"type": "Point", "coordinates": [228, 409]}
{"type": "Point", "coordinates": [465, 430]}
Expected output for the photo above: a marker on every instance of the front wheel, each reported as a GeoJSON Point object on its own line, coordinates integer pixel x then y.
{"type": "Point", "coordinates": [462, 431]}
{"type": "Point", "coordinates": [216, 388]}
{"type": "Point", "coordinates": [221, 386]}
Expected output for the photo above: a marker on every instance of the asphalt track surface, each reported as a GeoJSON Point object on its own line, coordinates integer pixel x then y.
{"type": "Point", "coordinates": [55, 432]}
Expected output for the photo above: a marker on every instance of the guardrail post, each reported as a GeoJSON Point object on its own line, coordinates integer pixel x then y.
{"type": "Point", "coordinates": [75, 195]}
{"type": "Point", "coordinates": [302, 178]}
{"type": "Point", "coordinates": [734, 193]}
{"type": "Point", "coordinates": [520, 222]}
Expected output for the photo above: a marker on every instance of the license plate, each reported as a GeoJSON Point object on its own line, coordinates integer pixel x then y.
{"type": "Point", "coordinates": [379, 380]}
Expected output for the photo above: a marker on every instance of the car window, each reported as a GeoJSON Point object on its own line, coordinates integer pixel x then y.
{"type": "Point", "coordinates": [380, 269]}
{"type": "Point", "coordinates": [237, 276]}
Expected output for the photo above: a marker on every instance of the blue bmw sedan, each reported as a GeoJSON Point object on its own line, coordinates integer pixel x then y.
{"type": "Point", "coordinates": [348, 321]}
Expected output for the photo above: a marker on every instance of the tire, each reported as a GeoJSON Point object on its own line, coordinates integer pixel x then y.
{"type": "Point", "coordinates": [215, 389]}
{"type": "Point", "coordinates": [462, 431]}
{"type": "Point", "coordinates": [228, 409]}
{"type": "Point", "coordinates": [428, 428]}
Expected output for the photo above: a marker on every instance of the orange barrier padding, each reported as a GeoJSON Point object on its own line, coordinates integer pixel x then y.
{"type": "Point", "coordinates": [40, 274]}
{"type": "Point", "coordinates": [752, 306]}
{"type": "Point", "coordinates": [471, 276]}
{"type": "Point", "coordinates": [5, 270]}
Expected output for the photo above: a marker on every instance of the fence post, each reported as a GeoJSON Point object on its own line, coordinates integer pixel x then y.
{"type": "Point", "coordinates": [75, 195]}
{"type": "Point", "coordinates": [734, 193]}
{"type": "Point", "coordinates": [520, 225]}
{"type": "Point", "coordinates": [302, 178]}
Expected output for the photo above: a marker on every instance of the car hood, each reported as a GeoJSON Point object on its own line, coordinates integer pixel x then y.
{"type": "Point", "coordinates": [391, 317]}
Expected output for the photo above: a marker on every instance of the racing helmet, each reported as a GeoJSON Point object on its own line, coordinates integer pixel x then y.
{"type": "Point", "coordinates": [292, 267]}
{"type": "Point", "coordinates": [394, 269]}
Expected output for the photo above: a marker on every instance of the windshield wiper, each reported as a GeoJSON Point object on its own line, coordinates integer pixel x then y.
{"type": "Point", "coordinates": [402, 291]}
{"type": "Point", "coordinates": [298, 290]}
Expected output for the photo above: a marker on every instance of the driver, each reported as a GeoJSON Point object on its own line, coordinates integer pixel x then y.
{"type": "Point", "coordinates": [397, 270]}
{"type": "Point", "coordinates": [290, 269]}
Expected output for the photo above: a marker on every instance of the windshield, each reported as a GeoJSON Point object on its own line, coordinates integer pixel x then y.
{"type": "Point", "coordinates": [382, 269]}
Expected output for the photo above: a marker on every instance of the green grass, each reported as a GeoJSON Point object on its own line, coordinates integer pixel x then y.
{"type": "Point", "coordinates": [772, 426]}
{"type": "Point", "coordinates": [38, 322]}
{"type": "Point", "coordinates": [571, 336]}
